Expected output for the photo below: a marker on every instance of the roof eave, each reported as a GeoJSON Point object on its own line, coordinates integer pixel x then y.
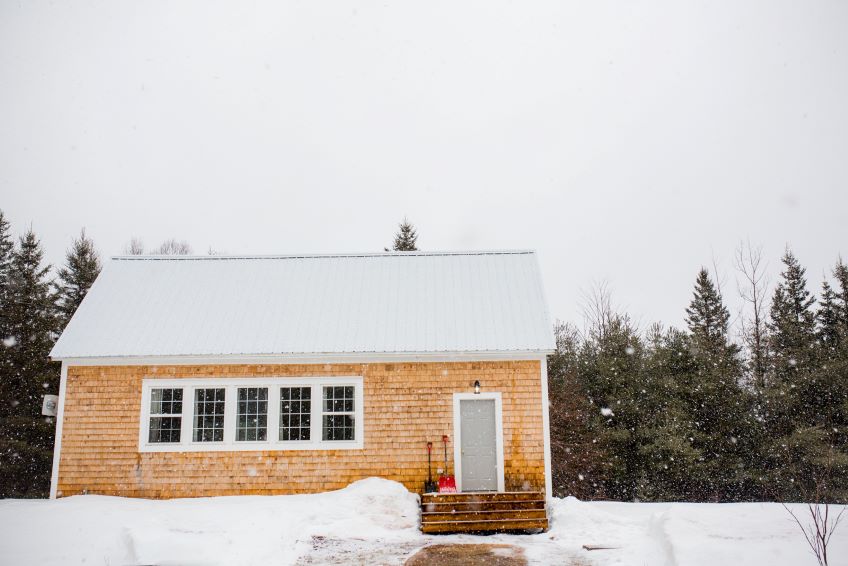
{"type": "Point", "coordinates": [306, 358]}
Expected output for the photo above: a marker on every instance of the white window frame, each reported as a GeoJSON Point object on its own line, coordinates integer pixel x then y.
{"type": "Point", "coordinates": [230, 444]}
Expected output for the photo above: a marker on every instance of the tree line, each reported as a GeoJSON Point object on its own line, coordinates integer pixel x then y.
{"type": "Point", "coordinates": [35, 306]}
{"type": "Point", "coordinates": [668, 414]}
{"type": "Point", "coordinates": [656, 414]}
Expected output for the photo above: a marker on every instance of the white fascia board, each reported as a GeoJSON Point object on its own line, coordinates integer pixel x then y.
{"type": "Point", "coordinates": [354, 358]}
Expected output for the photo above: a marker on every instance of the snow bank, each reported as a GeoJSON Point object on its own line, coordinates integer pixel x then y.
{"type": "Point", "coordinates": [376, 514]}
{"type": "Point", "coordinates": [688, 534]}
{"type": "Point", "coordinates": [231, 531]}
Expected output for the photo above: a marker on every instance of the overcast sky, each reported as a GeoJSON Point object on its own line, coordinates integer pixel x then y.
{"type": "Point", "coordinates": [629, 142]}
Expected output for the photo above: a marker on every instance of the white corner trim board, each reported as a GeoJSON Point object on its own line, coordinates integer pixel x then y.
{"type": "Point", "coordinates": [57, 444]}
{"type": "Point", "coordinates": [457, 433]}
{"type": "Point", "coordinates": [225, 438]}
{"type": "Point", "coordinates": [546, 430]}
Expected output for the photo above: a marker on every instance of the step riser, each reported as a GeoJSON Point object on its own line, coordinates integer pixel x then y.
{"type": "Point", "coordinates": [482, 516]}
{"type": "Point", "coordinates": [479, 497]}
{"type": "Point", "coordinates": [481, 506]}
{"type": "Point", "coordinates": [485, 527]}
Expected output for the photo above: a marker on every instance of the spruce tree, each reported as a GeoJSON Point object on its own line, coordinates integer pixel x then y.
{"type": "Point", "coordinates": [792, 327]}
{"type": "Point", "coordinates": [707, 319]}
{"type": "Point", "coordinates": [7, 247]}
{"type": "Point", "coordinates": [405, 238]}
{"type": "Point", "coordinates": [714, 399]}
{"type": "Point", "coordinates": [827, 318]}
{"type": "Point", "coordinates": [840, 273]}
{"type": "Point", "coordinates": [82, 265]}
{"type": "Point", "coordinates": [26, 438]}
{"type": "Point", "coordinates": [803, 402]}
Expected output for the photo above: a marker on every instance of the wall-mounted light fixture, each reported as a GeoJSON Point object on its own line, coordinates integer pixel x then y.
{"type": "Point", "coordinates": [477, 386]}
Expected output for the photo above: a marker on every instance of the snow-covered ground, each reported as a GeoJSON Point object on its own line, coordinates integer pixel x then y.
{"type": "Point", "coordinates": [375, 521]}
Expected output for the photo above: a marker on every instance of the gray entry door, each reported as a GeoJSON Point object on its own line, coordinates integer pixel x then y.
{"type": "Point", "coordinates": [478, 445]}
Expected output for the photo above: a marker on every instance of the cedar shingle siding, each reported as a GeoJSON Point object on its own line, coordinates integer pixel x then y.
{"type": "Point", "coordinates": [406, 404]}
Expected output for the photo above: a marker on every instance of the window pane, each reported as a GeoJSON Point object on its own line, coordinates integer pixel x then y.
{"type": "Point", "coordinates": [252, 415]}
{"type": "Point", "coordinates": [338, 408]}
{"type": "Point", "coordinates": [338, 427]}
{"type": "Point", "coordinates": [164, 429]}
{"type": "Point", "coordinates": [209, 415]}
{"type": "Point", "coordinates": [165, 401]}
{"type": "Point", "coordinates": [295, 413]}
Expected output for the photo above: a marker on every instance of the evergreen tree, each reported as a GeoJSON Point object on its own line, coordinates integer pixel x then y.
{"type": "Point", "coordinates": [82, 266]}
{"type": "Point", "coordinates": [708, 318]}
{"type": "Point", "coordinates": [840, 273]}
{"type": "Point", "coordinates": [792, 327]}
{"type": "Point", "coordinates": [805, 398]}
{"type": "Point", "coordinates": [714, 399]}
{"type": "Point", "coordinates": [26, 438]}
{"type": "Point", "coordinates": [577, 460]}
{"type": "Point", "coordinates": [827, 317]}
{"type": "Point", "coordinates": [7, 248]}
{"type": "Point", "coordinates": [405, 238]}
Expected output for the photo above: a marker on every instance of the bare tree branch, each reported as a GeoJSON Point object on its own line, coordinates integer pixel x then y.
{"type": "Point", "coordinates": [753, 288]}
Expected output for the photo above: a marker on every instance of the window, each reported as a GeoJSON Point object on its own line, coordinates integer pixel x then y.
{"type": "Point", "coordinates": [209, 414]}
{"type": "Point", "coordinates": [295, 413]}
{"type": "Point", "coordinates": [166, 409]}
{"type": "Point", "coordinates": [252, 414]}
{"type": "Point", "coordinates": [202, 414]}
{"type": "Point", "coordinates": [338, 415]}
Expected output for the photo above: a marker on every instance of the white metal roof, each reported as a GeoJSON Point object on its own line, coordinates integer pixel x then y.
{"type": "Point", "coordinates": [448, 302]}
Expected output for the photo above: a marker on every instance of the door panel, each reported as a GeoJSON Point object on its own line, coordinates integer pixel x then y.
{"type": "Point", "coordinates": [478, 446]}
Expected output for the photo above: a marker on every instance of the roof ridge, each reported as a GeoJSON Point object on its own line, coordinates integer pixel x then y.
{"type": "Point", "coordinates": [315, 255]}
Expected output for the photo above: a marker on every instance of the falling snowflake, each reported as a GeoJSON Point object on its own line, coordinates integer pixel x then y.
{"type": "Point", "coordinates": [630, 350]}
{"type": "Point", "coordinates": [607, 412]}
{"type": "Point", "coordinates": [10, 341]}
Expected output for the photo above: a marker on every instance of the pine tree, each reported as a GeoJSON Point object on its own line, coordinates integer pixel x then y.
{"type": "Point", "coordinates": [7, 247]}
{"type": "Point", "coordinates": [707, 319]}
{"type": "Point", "coordinates": [803, 402]}
{"type": "Point", "coordinates": [82, 265]}
{"type": "Point", "coordinates": [577, 459]}
{"type": "Point", "coordinates": [26, 438]}
{"type": "Point", "coordinates": [792, 327]}
{"type": "Point", "coordinates": [405, 238]}
{"type": "Point", "coordinates": [840, 273]}
{"type": "Point", "coordinates": [827, 317]}
{"type": "Point", "coordinates": [713, 397]}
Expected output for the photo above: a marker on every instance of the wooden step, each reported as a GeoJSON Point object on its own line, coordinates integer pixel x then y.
{"type": "Point", "coordinates": [484, 526]}
{"type": "Point", "coordinates": [462, 506]}
{"type": "Point", "coordinates": [509, 515]}
{"type": "Point", "coordinates": [481, 496]}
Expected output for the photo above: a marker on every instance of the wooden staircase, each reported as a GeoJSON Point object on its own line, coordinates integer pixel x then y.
{"type": "Point", "coordinates": [483, 512]}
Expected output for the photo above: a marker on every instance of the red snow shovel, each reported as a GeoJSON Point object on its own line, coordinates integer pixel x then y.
{"type": "Point", "coordinates": [447, 483]}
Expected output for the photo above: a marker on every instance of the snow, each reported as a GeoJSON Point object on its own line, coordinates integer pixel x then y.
{"type": "Point", "coordinates": [376, 521]}
{"type": "Point", "coordinates": [246, 530]}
